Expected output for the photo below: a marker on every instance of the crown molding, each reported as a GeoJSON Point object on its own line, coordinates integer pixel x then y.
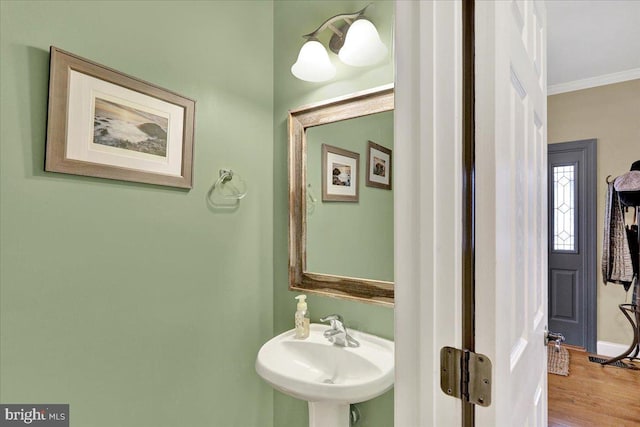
{"type": "Point", "coordinates": [605, 79]}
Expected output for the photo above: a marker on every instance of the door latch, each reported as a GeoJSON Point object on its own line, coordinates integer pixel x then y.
{"type": "Point", "coordinates": [554, 337]}
{"type": "Point", "coordinates": [465, 375]}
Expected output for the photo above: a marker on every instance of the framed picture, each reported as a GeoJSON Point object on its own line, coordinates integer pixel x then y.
{"type": "Point", "coordinates": [379, 166]}
{"type": "Point", "coordinates": [107, 124]}
{"type": "Point", "coordinates": [340, 170]}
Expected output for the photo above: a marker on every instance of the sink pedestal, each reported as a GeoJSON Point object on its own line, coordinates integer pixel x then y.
{"type": "Point", "coordinates": [325, 375]}
{"type": "Point", "coordinates": [328, 414]}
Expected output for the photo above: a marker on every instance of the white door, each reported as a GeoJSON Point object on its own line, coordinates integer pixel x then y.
{"type": "Point", "coordinates": [511, 220]}
{"type": "Point", "coordinates": [511, 209]}
{"type": "Point", "coordinates": [427, 207]}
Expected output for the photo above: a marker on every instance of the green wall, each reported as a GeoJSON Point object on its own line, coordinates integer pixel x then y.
{"type": "Point", "coordinates": [139, 305]}
{"type": "Point", "coordinates": [292, 19]}
{"type": "Point", "coordinates": [352, 239]}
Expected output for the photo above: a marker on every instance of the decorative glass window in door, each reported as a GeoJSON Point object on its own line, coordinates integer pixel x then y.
{"type": "Point", "coordinates": [564, 180]}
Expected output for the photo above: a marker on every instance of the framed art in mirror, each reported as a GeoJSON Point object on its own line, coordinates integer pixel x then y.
{"type": "Point", "coordinates": [379, 166]}
{"type": "Point", "coordinates": [340, 169]}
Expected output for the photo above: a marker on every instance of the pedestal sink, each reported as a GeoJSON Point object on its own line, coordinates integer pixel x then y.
{"type": "Point", "coordinates": [329, 377]}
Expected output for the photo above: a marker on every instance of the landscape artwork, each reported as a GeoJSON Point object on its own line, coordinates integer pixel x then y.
{"type": "Point", "coordinates": [128, 128]}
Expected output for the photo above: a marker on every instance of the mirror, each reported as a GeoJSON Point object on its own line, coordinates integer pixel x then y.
{"type": "Point", "coordinates": [352, 239]}
{"type": "Point", "coordinates": [340, 197]}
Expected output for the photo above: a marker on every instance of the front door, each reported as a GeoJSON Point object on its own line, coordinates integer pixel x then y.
{"type": "Point", "coordinates": [511, 209]}
{"type": "Point", "coordinates": [572, 242]}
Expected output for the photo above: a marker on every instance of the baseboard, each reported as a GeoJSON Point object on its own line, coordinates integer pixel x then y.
{"type": "Point", "coordinates": [611, 349]}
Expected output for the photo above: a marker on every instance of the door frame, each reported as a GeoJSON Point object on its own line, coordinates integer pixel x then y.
{"type": "Point", "coordinates": [468, 327]}
{"type": "Point", "coordinates": [589, 147]}
{"type": "Point", "coordinates": [434, 204]}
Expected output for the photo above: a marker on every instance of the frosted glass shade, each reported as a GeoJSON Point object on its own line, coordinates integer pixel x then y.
{"type": "Point", "coordinates": [362, 46]}
{"type": "Point", "coordinates": [313, 64]}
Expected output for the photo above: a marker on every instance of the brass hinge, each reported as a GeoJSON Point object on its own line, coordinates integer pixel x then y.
{"type": "Point", "coordinates": [465, 375]}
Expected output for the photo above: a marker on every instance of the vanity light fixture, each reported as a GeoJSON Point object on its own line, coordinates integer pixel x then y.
{"type": "Point", "coordinates": [356, 42]}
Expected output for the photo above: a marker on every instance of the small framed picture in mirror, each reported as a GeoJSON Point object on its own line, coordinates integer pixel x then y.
{"type": "Point", "coordinates": [340, 170]}
{"type": "Point", "coordinates": [378, 166]}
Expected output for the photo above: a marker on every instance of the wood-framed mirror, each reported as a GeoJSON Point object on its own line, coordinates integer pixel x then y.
{"type": "Point", "coordinates": [368, 278]}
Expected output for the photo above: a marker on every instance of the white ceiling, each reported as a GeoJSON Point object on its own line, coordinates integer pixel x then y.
{"type": "Point", "coordinates": [592, 38]}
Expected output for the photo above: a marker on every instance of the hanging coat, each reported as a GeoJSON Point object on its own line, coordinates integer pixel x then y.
{"type": "Point", "coordinates": [617, 265]}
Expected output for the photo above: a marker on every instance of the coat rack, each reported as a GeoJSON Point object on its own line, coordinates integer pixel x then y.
{"type": "Point", "coordinates": [631, 311]}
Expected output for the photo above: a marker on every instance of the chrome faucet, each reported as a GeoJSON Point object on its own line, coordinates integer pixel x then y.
{"type": "Point", "coordinates": [337, 334]}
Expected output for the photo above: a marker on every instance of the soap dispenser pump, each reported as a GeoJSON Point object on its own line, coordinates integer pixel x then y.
{"type": "Point", "coordinates": [302, 318]}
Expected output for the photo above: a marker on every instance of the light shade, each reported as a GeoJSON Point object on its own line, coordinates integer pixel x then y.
{"type": "Point", "coordinates": [313, 64]}
{"type": "Point", "coordinates": [362, 46]}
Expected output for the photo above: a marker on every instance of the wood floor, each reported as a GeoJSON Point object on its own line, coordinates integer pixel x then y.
{"type": "Point", "coordinates": [594, 395]}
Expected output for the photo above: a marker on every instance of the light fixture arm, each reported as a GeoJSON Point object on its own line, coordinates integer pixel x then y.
{"type": "Point", "coordinates": [337, 40]}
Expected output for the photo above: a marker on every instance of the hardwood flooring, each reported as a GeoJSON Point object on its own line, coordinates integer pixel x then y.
{"type": "Point", "coordinates": [594, 395]}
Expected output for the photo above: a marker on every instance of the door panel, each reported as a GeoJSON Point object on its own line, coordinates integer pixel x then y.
{"type": "Point", "coordinates": [562, 295]}
{"type": "Point", "coordinates": [511, 209]}
{"type": "Point", "coordinates": [572, 288]}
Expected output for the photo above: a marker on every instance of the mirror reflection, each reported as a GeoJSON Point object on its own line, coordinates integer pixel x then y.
{"type": "Point", "coordinates": [351, 238]}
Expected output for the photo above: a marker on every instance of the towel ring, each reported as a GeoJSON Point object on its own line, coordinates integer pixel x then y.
{"type": "Point", "coordinates": [225, 181]}
{"type": "Point", "coordinates": [311, 204]}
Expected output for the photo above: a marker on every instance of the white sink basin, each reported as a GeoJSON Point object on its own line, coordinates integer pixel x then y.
{"type": "Point", "coordinates": [317, 371]}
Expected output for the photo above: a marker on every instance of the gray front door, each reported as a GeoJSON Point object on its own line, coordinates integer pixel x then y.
{"type": "Point", "coordinates": [572, 240]}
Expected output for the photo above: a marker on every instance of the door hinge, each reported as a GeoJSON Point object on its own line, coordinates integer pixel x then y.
{"type": "Point", "coordinates": [465, 375]}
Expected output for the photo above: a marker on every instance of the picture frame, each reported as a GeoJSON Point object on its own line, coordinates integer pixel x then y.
{"type": "Point", "coordinates": [379, 166]}
{"type": "Point", "coordinates": [340, 171]}
{"type": "Point", "coordinates": [104, 123]}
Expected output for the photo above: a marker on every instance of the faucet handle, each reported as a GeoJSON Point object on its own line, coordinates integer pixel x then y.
{"type": "Point", "coordinates": [338, 333]}
{"type": "Point", "coordinates": [331, 317]}
{"type": "Point", "coordinates": [335, 320]}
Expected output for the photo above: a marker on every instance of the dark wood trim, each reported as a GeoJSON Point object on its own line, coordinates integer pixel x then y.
{"type": "Point", "coordinates": [468, 190]}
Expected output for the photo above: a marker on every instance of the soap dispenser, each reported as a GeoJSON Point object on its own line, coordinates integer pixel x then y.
{"type": "Point", "coordinates": [302, 318]}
